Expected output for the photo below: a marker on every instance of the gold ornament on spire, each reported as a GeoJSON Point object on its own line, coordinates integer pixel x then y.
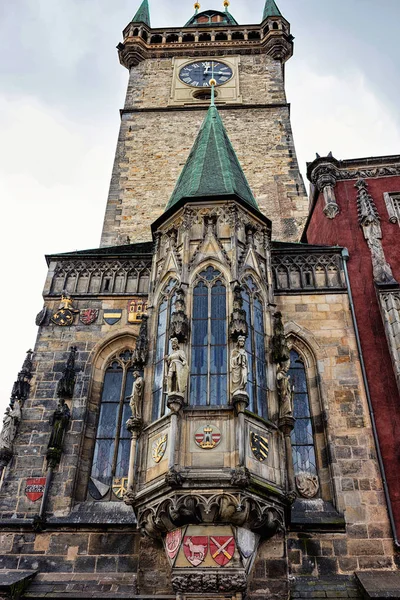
{"type": "Point", "coordinates": [226, 4]}
{"type": "Point", "coordinates": [197, 6]}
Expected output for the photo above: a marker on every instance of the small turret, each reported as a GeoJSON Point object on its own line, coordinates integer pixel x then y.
{"type": "Point", "coordinates": [271, 10]}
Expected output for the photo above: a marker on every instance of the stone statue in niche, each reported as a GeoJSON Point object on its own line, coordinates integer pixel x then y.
{"type": "Point", "coordinates": [11, 420]}
{"type": "Point", "coordinates": [178, 370]}
{"type": "Point", "coordinates": [285, 391]}
{"type": "Point", "coordinates": [59, 422]}
{"type": "Point", "coordinates": [135, 400]}
{"type": "Point", "coordinates": [239, 367]}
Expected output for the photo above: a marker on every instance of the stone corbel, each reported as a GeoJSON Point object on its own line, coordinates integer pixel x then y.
{"type": "Point", "coordinates": [324, 176]}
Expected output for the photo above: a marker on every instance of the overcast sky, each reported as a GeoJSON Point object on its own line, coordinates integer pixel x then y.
{"type": "Point", "coordinates": [61, 87]}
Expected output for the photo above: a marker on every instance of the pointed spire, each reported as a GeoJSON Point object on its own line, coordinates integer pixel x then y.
{"type": "Point", "coordinates": [271, 9]}
{"type": "Point", "coordinates": [212, 169]}
{"type": "Point", "coordinates": [143, 14]}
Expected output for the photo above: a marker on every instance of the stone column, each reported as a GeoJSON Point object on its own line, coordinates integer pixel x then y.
{"type": "Point", "coordinates": [175, 404]}
{"type": "Point", "coordinates": [286, 425]}
{"type": "Point", "coordinates": [134, 426]}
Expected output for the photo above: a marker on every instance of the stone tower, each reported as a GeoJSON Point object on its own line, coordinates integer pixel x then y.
{"type": "Point", "coordinates": [193, 423]}
{"type": "Point", "coordinates": [165, 106]}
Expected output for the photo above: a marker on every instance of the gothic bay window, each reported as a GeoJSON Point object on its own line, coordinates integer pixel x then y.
{"type": "Point", "coordinates": [111, 451]}
{"type": "Point", "coordinates": [165, 309]}
{"type": "Point", "coordinates": [303, 446]}
{"type": "Point", "coordinates": [209, 367]}
{"type": "Point", "coordinates": [255, 347]}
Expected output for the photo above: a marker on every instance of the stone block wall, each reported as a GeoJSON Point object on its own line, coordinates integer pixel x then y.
{"type": "Point", "coordinates": [155, 141]}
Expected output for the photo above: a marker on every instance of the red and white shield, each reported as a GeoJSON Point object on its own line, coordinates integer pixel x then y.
{"type": "Point", "coordinates": [195, 548]}
{"type": "Point", "coordinates": [173, 542]}
{"type": "Point", "coordinates": [34, 488]}
{"type": "Point", "coordinates": [222, 548]}
{"type": "Point", "coordinates": [88, 316]}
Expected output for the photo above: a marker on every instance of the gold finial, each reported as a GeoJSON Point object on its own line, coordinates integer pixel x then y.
{"type": "Point", "coordinates": [213, 82]}
{"type": "Point", "coordinates": [197, 6]}
{"type": "Point", "coordinates": [226, 4]}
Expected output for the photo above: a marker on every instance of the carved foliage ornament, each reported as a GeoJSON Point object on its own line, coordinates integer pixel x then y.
{"type": "Point", "coordinates": [237, 509]}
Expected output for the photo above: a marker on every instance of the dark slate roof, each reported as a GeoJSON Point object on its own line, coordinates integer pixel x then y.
{"type": "Point", "coordinates": [271, 9]}
{"type": "Point", "coordinates": [142, 248]}
{"type": "Point", "coordinates": [212, 169]}
{"type": "Point", "coordinates": [227, 19]}
{"type": "Point", "coordinates": [143, 14]}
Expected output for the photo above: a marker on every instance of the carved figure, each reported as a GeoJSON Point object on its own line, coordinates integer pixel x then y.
{"type": "Point", "coordinates": [197, 551]}
{"type": "Point", "coordinates": [239, 367]}
{"type": "Point", "coordinates": [178, 370]}
{"type": "Point", "coordinates": [137, 395]}
{"type": "Point", "coordinates": [280, 349]}
{"type": "Point", "coordinates": [307, 485]}
{"type": "Point", "coordinates": [285, 391]}
{"type": "Point", "coordinates": [59, 422]}
{"type": "Point", "coordinates": [11, 420]}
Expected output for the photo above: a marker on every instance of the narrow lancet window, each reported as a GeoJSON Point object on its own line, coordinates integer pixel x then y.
{"type": "Point", "coordinates": [302, 435]}
{"type": "Point", "coordinates": [165, 309]}
{"type": "Point", "coordinates": [255, 347]}
{"type": "Point", "coordinates": [111, 451]}
{"type": "Point", "coordinates": [209, 370]}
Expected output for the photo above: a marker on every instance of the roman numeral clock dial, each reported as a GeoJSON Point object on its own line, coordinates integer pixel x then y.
{"type": "Point", "coordinates": [199, 74]}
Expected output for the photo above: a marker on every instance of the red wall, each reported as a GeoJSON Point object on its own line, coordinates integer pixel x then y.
{"type": "Point", "coordinates": [345, 231]}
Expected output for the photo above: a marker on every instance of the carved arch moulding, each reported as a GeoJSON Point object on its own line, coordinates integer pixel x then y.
{"type": "Point", "coordinates": [239, 509]}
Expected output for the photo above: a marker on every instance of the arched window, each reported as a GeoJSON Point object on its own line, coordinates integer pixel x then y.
{"type": "Point", "coordinates": [111, 450]}
{"type": "Point", "coordinates": [209, 366]}
{"type": "Point", "coordinates": [165, 309]}
{"type": "Point", "coordinates": [303, 447]}
{"type": "Point", "coordinates": [255, 346]}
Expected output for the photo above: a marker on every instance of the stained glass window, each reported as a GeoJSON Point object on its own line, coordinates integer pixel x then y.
{"type": "Point", "coordinates": [209, 369]}
{"type": "Point", "coordinates": [255, 347]}
{"type": "Point", "coordinates": [302, 435]}
{"type": "Point", "coordinates": [111, 451]}
{"type": "Point", "coordinates": [165, 309]}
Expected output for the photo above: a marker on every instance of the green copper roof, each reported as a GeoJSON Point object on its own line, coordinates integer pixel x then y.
{"type": "Point", "coordinates": [198, 19]}
{"type": "Point", "coordinates": [143, 14]}
{"type": "Point", "coordinates": [271, 9]}
{"type": "Point", "coordinates": [212, 169]}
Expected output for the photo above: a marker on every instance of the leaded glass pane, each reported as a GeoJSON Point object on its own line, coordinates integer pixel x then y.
{"type": "Point", "coordinates": [102, 460]}
{"type": "Point", "coordinates": [112, 385]}
{"type": "Point", "coordinates": [126, 414]}
{"type": "Point", "coordinates": [198, 390]}
{"type": "Point", "coordinates": [218, 390]}
{"type": "Point", "coordinates": [304, 460]}
{"type": "Point", "coordinates": [218, 359]}
{"type": "Point", "coordinates": [262, 402]}
{"type": "Point", "coordinates": [218, 332]}
{"type": "Point", "coordinates": [200, 332]}
{"type": "Point", "coordinates": [122, 467]}
{"type": "Point", "coordinates": [157, 400]}
{"type": "Point", "coordinates": [301, 406]}
{"type": "Point", "coordinates": [199, 360]}
{"type": "Point", "coordinates": [108, 420]}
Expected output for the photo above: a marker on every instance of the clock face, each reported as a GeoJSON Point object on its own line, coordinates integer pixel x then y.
{"type": "Point", "coordinates": [199, 74]}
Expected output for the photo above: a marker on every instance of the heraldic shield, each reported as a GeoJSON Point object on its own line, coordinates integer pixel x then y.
{"type": "Point", "coordinates": [173, 542]}
{"type": "Point", "coordinates": [222, 549]}
{"type": "Point", "coordinates": [34, 488]}
{"type": "Point", "coordinates": [195, 549]}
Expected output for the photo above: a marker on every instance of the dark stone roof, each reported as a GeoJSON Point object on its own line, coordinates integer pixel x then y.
{"type": "Point", "coordinates": [271, 9]}
{"type": "Point", "coordinates": [139, 249]}
{"type": "Point", "coordinates": [212, 169]}
{"type": "Point", "coordinates": [143, 14]}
